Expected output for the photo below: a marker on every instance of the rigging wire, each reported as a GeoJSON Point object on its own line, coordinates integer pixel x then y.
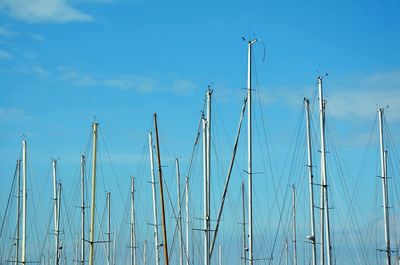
{"type": "Point", "coordinates": [9, 200]}
{"type": "Point", "coordinates": [351, 212]}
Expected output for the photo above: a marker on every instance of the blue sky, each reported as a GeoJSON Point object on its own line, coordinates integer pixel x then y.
{"type": "Point", "coordinates": [63, 62]}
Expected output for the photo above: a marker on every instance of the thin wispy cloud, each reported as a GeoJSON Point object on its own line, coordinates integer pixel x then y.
{"type": "Point", "coordinates": [4, 55]}
{"type": "Point", "coordinates": [38, 70]}
{"type": "Point", "coordinates": [181, 86]}
{"type": "Point", "coordinates": [77, 78]}
{"type": "Point", "coordinates": [33, 69]}
{"type": "Point", "coordinates": [277, 95]}
{"type": "Point", "coordinates": [364, 94]}
{"type": "Point", "coordinates": [29, 55]}
{"type": "Point", "coordinates": [124, 158]}
{"type": "Point", "coordinates": [35, 36]}
{"type": "Point", "coordinates": [43, 11]}
{"type": "Point", "coordinates": [12, 114]}
{"type": "Point", "coordinates": [356, 97]}
{"type": "Point", "coordinates": [4, 32]}
{"type": "Point", "coordinates": [138, 83]}
{"type": "Point", "coordinates": [142, 84]}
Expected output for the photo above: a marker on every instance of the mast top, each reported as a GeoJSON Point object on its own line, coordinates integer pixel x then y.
{"type": "Point", "coordinates": [251, 42]}
{"type": "Point", "coordinates": [209, 90]}
{"type": "Point", "coordinates": [321, 76]}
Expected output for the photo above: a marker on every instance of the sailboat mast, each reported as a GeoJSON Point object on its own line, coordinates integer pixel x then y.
{"type": "Point", "coordinates": [54, 175]}
{"type": "Point", "coordinates": [187, 218]}
{"type": "Point", "coordinates": [250, 150]}
{"type": "Point", "coordinates": [287, 251]}
{"type": "Point", "coordinates": [228, 177]}
{"type": "Point", "coordinates": [311, 237]}
{"type": "Point", "coordinates": [294, 227]}
{"type": "Point", "coordinates": [179, 212]}
{"type": "Point", "coordinates": [205, 203]}
{"type": "Point", "coordinates": [144, 252]}
{"type": "Point", "coordinates": [115, 249]}
{"type": "Point", "coordinates": [208, 157]}
{"type": "Point", "coordinates": [108, 200]}
{"type": "Point", "coordinates": [58, 248]}
{"type": "Point", "coordinates": [384, 186]}
{"type": "Point", "coordinates": [76, 260]}
{"type": "Point", "coordinates": [219, 255]}
{"type": "Point", "coordinates": [244, 254]}
{"type": "Point", "coordinates": [82, 209]}
{"type": "Point", "coordinates": [161, 193]}
{"type": "Point", "coordinates": [23, 253]}
{"type": "Point", "coordinates": [153, 188]}
{"type": "Point", "coordinates": [18, 207]}
{"type": "Point", "coordinates": [133, 234]}
{"type": "Point", "coordinates": [324, 182]}
{"type": "Point", "coordinates": [93, 204]}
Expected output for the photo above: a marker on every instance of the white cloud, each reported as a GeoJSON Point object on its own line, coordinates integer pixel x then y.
{"type": "Point", "coordinates": [276, 95]}
{"type": "Point", "coordinates": [125, 158]}
{"type": "Point", "coordinates": [38, 71]}
{"type": "Point", "coordinates": [6, 32]}
{"type": "Point", "coordinates": [34, 69]}
{"type": "Point", "coordinates": [43, 11]}
{"type": "Point", "coordinates": [11, 114]}
{"type": "Point", "coordinates": [363, 104]}
{"type": "Point", "coordinates": [182, 86]}
{"type": "Point", "coordinates": [78, 78]}
{"type": "Point", "coordinates": [143, 84]}
{"type": "Point", "coordinates": [364, 94]}
{"type": "Point", "coordinates": [36, 37]}
{"type": "Point", "coordinates": [5, 55]}
{"type": "Point", "coordinates": [29, 55]}
{"type": "Point", "coordinates": [355, 98]}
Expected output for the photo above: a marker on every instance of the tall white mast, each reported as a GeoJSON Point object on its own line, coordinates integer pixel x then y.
{"type": "Point", "coordinates": [250, 150]}
{"type": "Point", "coordinates": [287, 251]}
{"type": "Point", "coordinates": [205, 204]}
{"type": "Point", "coordinates": [76, 260]}
{"type": "Point", "coordinates": [153, 188]}
{"type": "Point", "coordinates": [207, 171]}
{"type": "Point", "coordinates": [208, 157]}
{"type": "Point", "coordinates": [384, 187]}
{"type": "Point", "coordinates": [18, 208]}
{"type": "Point", "coordinates": [23, 253]}
{"type": "Point", "coordinates": [56, 240]}
{"type": "Point", "coordinates": [83, 209]}
{"type": "Point", "coordinates": [144, 252]}
{"type": "Point", "coordinates": [160, 178]}
{"type": "Point", "coordinates": [58, 248]}
{"type": "Point", "coordinates": [187, 218]}
{"type": "Point", "coordinates": [227, 179]}
{"type": "Point", "coordinates": [220, 255]}
{"type": "Point", "coordinates": [311, 237]}
{"type": "Point", "coordinates": [244, 253]}
{"type": "Point", "coordinates": [92, 210]}
{"type": "Point", "coordinates": [133, 234]}
{"type": "Point", "coordinates": [179, 220]}
{"type": "Point", "coordinates": [108, 200]}
{"type": "Point", "coordinates": [115, 248]}
{"type": "Point", "coordinates": [324, 181]}
{"type": "Point", "coordinates": [294, 227]}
